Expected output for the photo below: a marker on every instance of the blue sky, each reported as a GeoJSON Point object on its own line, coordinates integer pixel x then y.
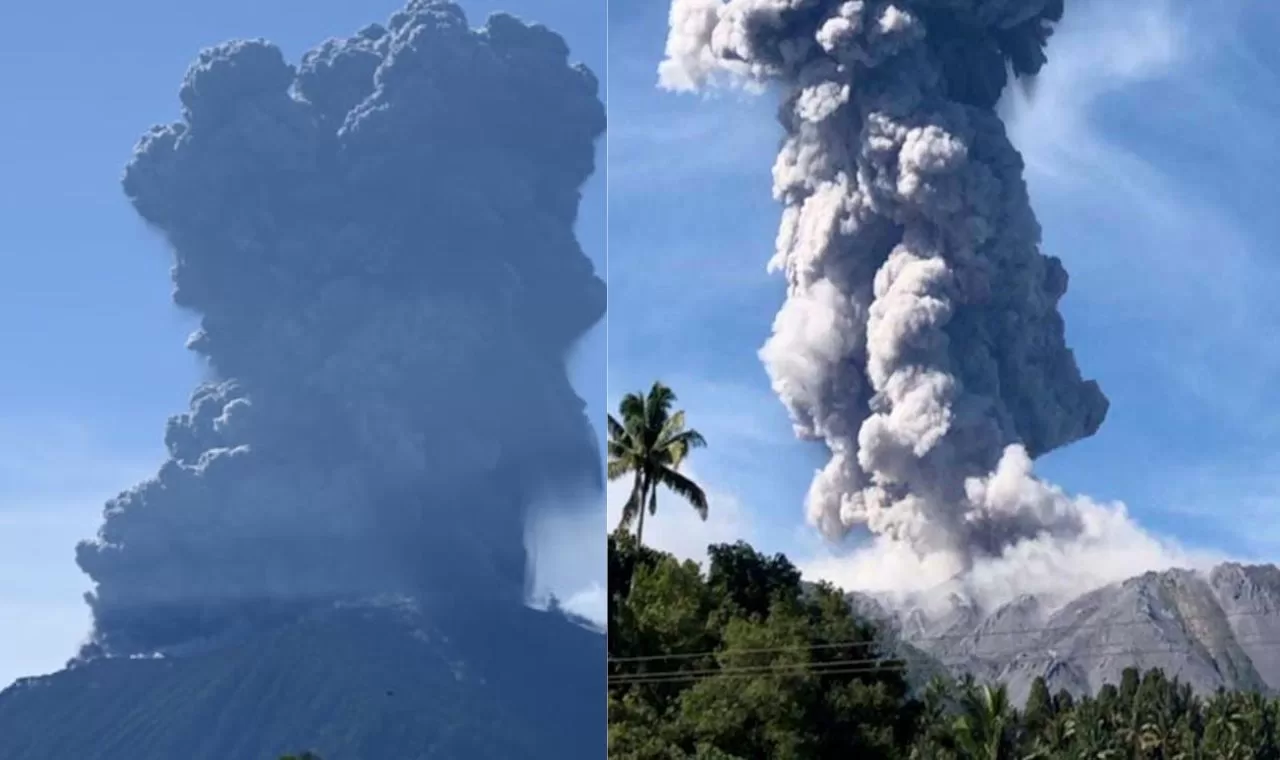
{"type": "Point", "coordinates": [95, 359]}
{"type": "Point", "coordinates": [1151, 166]}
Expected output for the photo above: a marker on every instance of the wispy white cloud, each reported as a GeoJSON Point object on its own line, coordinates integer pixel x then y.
{"type": "Point", "coordinates": [657, 146]}
{"type": "Point", "coordinates": [1236, 500]}
{"type": "Point", "coordinates": [660, 142]}
{"type": "Point", "coordinates": [1180, 272]}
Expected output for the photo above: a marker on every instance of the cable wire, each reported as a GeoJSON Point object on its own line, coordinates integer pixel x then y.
{"type": "Point", "coordinates": [863, 643]}
{"type": "Point", "coordinates": [872, 665]}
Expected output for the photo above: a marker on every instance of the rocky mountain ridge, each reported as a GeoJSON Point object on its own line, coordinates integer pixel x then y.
{"type": "Point", "coordinates": [1215, 629]}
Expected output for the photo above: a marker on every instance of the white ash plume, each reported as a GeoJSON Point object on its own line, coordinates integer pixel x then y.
{"type": "Point", "coordinates": [920, 339]}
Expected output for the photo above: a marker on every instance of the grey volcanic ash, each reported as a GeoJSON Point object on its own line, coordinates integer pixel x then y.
{"type": "Point", "coordinates": [379, 243]}
{"type": "Point", "coordinates": [920, 340]}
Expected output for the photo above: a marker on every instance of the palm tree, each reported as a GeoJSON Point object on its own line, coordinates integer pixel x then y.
{"type": "Point", "coordinates": [984, 728]}
{"type": "Point", "coordinates": [651, 442]}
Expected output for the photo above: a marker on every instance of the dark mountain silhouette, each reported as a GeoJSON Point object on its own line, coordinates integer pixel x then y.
{"type": "Point", "coordinates": [365, 680]}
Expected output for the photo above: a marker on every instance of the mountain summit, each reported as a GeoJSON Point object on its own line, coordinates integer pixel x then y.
{"type": "Point", "coordinates": [1216, 629]}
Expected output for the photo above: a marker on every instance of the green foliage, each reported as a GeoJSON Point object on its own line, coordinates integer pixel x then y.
{"type": "Point", "coordinates": [745, 662]}
{"type": "Point", "coordinates": [749, 582]}
{"type": "Point", "coordinates": [756, 666]}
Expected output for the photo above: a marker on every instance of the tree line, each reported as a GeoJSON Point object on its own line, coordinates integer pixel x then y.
{"type": "Point", "coordinates": [742, 661]}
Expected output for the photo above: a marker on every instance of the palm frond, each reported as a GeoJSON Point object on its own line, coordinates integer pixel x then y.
{"type": "Point", "coordinates": [657, 411]}
{"type": "Point", "coordinates": [661, 397]}
{"type": "Point", "coordinates": [672, 425]}
{"type": "Point", "coordinates": [678, 446]}
{"type": "Point", "coordinates": [686, 488]}
{"type": "Point", "coordinates": [623, 445]}
{"type": "Point", "coordinates": [619, 467]}
{"type": "Point", "coordinates": [616, 430]}
{"type": "Point", "coordinates": [632, 407]}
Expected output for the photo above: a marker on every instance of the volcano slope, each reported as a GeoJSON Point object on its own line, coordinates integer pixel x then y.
{"type": "Point", "coordinates": [1214, 629]}
{"type": "Point", "coordinates": [371, 679]}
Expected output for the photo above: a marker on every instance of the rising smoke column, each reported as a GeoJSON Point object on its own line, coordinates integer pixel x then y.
{"type": "Point", "coordinates": [380, 245]}
{"type": "Point", "coordinates": [920, 339]}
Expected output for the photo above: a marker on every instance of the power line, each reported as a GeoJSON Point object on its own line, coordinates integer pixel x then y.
{"type": "Point", "coordinates": [676, 678]}
{"type": "Point", "coordinates": [868, 665]}
{"type": "Point", "coordinates": [863, 643]}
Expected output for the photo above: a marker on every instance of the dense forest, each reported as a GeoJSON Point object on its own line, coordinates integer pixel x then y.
{"type": "Point", "coordinates": [742, 661]}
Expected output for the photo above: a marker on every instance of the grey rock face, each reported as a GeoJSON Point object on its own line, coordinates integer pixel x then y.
{"type": "Point", "coordinates": [1212, 630]}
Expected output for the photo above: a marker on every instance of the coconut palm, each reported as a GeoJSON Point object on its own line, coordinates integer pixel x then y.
{"type": "Point", "coordinates": [984, 728]}
{"type": "Point", "coordinates": [650, 442]}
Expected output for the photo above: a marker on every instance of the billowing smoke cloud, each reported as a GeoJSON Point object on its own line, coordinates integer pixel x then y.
{"type": "Point", "coordinates": [920, 339]}
{"type": "Point", "coordinates": [380, 244]}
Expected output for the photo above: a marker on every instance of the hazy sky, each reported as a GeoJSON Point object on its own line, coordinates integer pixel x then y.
{"type": "Point", "coordinates": [1151, 163]}
{"type": "Point", "coordinates": [95, 359]}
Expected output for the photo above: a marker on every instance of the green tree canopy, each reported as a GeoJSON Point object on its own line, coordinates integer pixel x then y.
{"type": "Point", "coordinates": [743, 661]}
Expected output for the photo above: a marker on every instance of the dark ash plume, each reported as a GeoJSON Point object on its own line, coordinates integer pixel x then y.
{"type": "Point", "coordinates": [380, 244]}
{"type": "Point", "coordinates": [921, 339]}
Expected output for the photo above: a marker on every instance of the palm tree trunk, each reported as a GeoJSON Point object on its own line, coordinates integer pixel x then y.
{"type": "Point", "coordinates": [644, 503]}
{"type": "Point", "coordinates": [624, 522]}
{"type": "Point", "coordinates": [644, 490]}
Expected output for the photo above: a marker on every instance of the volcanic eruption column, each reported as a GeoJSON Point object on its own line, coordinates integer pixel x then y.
{"type": "Point", "coordinates": [380, 245]}
{"type": "Point", "coordinates": [920, 338]}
